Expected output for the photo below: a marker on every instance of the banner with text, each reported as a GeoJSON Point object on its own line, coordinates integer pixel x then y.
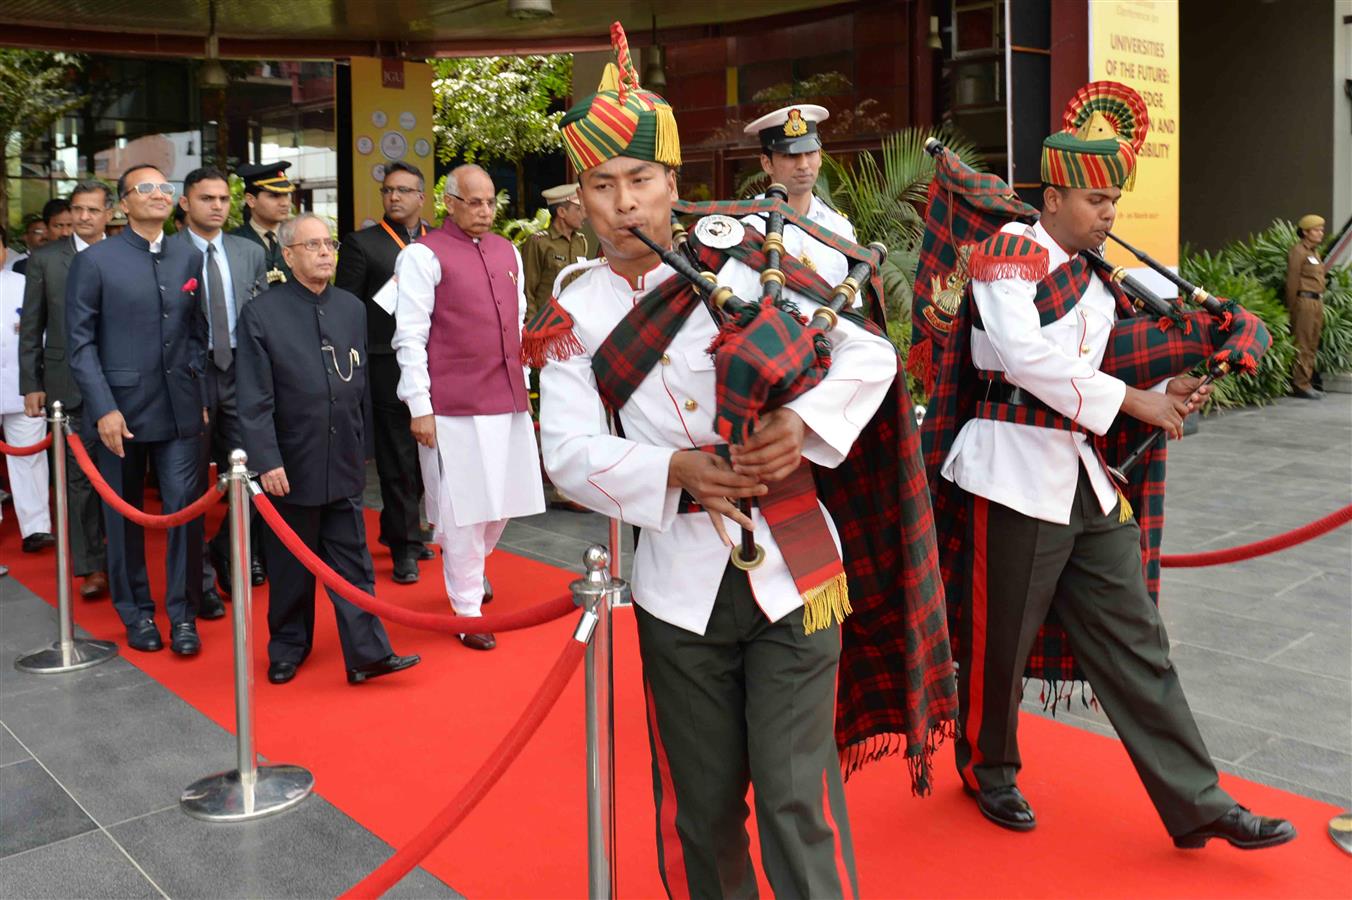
{"type": "Point", "coordinates": [391, 121]}
{"type": "Point", "coordinates": [1135, 42]}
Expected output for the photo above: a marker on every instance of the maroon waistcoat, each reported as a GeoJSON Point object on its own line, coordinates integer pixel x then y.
{"type": "Point", "coordinates": [474, 345]}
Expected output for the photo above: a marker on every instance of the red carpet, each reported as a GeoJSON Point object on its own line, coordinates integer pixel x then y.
{"type": "Point", "coordinates": [390, 753]}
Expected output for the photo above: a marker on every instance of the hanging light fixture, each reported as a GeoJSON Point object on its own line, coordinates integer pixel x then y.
{"type": "Point", "coordinates": [212, 75]}
{"type": "Point", "coordinates": [655, 72]}
{"type": "Point", "coordinates": [935, 42]}
{"type": "Point", "coordinates": [530, 9]}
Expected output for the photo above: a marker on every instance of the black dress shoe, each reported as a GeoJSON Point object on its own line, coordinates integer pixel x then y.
{"type": "Point", "coordinates": [282, 672]}
{"type": "Point", "coordinates": [488, 590]}
{"type": "Point", "coordinates": [144, 636]}
{"type": "Point", "coordinates": [257, 574]}
{"type": "Point", "coordinates": [221, 564]}
{"type": "Point", "coordinates": [482, 641]}
{"type": "Point", "coordinates": [1006, 807]}
{"type": "Point", "coordinates": [423, 552]}
{"type": "Point", "coordinates": [37, 542]}
{"type": "Point", "coordinates": [212, 606]}
{"type": "Point", "coordinates": [391, 663]}
{"type": "Point", "coordinates": [1242, 829]}
{"type": "Point", "coordinates": [405, 570]}
{"type": "Point", "coordinates": [184, 640]}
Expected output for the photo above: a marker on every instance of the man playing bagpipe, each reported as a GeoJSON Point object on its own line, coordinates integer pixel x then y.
{"type": "Point", "coordinates": [741, 657]}
{"type": "Point", "coordinates": [1042, 378]}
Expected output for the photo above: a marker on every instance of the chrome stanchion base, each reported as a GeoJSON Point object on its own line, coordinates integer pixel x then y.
{"type": "Point", "coordinates": [223, 798]}
{"type": "Point", "coordinates": [82, 654]}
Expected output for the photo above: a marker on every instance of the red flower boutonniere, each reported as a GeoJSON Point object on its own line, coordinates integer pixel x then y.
{"type": "Point", "coordinates": [190, 285]}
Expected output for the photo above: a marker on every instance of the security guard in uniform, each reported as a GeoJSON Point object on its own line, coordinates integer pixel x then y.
{"type": "Point", "coordinates": [566, 241]}
{"type": "Point", "coordinates": [1305, 280]}
{"type": "Point", "coordinates": [267, 202]}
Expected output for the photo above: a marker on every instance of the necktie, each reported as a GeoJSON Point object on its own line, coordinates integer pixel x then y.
{"type": "Point", "coordinates": [272, 242]}
{"type": "Point", "coordinates": [220, 317]}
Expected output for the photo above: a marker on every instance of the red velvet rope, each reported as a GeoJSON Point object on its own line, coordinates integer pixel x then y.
{"type": "Point", "coordinates": [526, 618]}
{"type": "Point", "coordinates": [1300, 535]}
{"type": "Point", "coordinates": [434, 832]}
{"type": "Point", "coordinates": [30, 450]}
{"type": "Point", "coordinates": [146, 520]}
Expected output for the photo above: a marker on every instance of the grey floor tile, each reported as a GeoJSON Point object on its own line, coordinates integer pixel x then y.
{"type": "Point", "coordinates": [1204, 627]}
{"type": "Point", "coordinates": [87, 867]}
{"type": "Point", "coordinates": [313, 850]}
{"type": "Point", "coordinates": [1326, 652]}
{"type": "Point", "coordinates": [1342, 801]}
{"type": "Point", "coordinates": [154, 742]}
{"type": "Point", "coordinates": [1317, 768]}
{"type": "Point", "coordinates": [1229, 741]}
{"type": "Point", "coordinates": [1284, 702]}
{"type": "Point", "coordinates": [36, 810]}
{"type": "Point", "coordinates": [11, 751]}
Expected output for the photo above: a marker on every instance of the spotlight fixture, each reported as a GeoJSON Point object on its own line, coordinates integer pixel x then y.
{"type": "Point", "coordinates": [654, 73]}
{"type": "Point", "coordinates": [212, 75]}
{"type": "Point", "coordinates": [530, 9]}
{"type": "Point", "coordinates": [934, 42]}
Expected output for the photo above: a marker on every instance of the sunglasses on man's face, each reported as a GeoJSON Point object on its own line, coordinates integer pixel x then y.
{"type": "Point", "coordinates": [146, 188]}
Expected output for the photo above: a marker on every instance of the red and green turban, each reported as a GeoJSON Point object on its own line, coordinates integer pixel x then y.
{"type": "Point", "coordinates": [1105, 128]}
{"type": "Point", "coordinates": [620, 119]}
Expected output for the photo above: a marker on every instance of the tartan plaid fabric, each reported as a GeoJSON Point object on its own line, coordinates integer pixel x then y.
{"type": "Point", "coordinates": [1004, 255]}
{"type": "Point", "coordinates": [1142, 351]}
{"type": "Point", "coordinates": [965, 206]}
{"type": "Point", "coordinates": [637, 343]}
{"type": "Point", "coordinates": [896, 691]}
{"type": "Point", "coordinates": [548, 335]}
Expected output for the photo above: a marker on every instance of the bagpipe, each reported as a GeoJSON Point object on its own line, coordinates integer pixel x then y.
{"type": "Point", "coordinates": [766, 353]}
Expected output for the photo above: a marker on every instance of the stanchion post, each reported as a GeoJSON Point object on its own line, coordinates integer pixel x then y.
{"type": "Point", "coordinates": [597, 593]}
{"type": "Point", "coordinates": [68, 654]}
{"type": "Point", "coordinates": [617, 558]}
{"type": "Point", "coordinates": [248, 791]}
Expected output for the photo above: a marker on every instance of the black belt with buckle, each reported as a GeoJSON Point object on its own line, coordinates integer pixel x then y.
{"type": "Point", "coordinates": [1311, 294]}
{"type": "Point", "coordinates": [1003, 392]}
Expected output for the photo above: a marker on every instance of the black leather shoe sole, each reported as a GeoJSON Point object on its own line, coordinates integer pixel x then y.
{"type": "Point", "coordinates": [212, 607]}
{"type": "Point", "coordinates": [1196, 841]}
{"type": "Point", "coordinates": [281, 672]}
{"type": "Point", "coordinates": [994, 814]}
{"type": "Point", "coordinates": [145, 645]}
{"type": "Point", "coordinates": [405, 577]}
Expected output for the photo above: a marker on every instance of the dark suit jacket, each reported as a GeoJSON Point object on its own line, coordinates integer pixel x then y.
{"type": "Point", "coordinates": [43, 364]}
{"type": "Point", "coordinates": [248, 269]}
{"type": "Point", "coordinates": [136, 335]}
{"type": "Point", "coordinates": [301, 406]}
{"type": "Point", "coordinates": [365, 263]}
{"type": "Point", "coordinates": [272, 260]}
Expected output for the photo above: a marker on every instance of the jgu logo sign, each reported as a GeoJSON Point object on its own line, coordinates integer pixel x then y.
{"type": "Point", "coordinates": [392, 73]}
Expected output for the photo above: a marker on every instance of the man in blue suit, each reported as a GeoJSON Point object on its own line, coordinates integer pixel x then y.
{"type": "Point", "coordinates": [137, 341]}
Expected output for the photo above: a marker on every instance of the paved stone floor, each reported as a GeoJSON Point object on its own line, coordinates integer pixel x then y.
{"type": "Point", "coordinates": [1264, 648]}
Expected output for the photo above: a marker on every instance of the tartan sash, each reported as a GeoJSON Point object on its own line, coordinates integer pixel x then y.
{"type": "Point", "coordinates": [635, 345]}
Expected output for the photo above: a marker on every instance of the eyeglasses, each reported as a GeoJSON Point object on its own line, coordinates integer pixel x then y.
{"type": "Point", "coordinates": [401, 189]}
{"type": "Point", "coordinates": [314, 245]}
{"type": "Point", "coordinates": [488, 203]}
{"type": "Point", "coordinates": [146, 188]}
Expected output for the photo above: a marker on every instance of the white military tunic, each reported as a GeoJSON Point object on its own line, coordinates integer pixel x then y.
{"type": "Point", "coordinates": [830, 264]}
{"type": "Point", "coordinates": [1029, 469]}
{"type": "Point", "coordinates": [680, 559]}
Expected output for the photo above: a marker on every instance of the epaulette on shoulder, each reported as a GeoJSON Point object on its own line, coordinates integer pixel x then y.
{"type": "Point", "coordinates": [569, 273]}
{"type": "Point", "coordinates": [1006, 255]}
{"type": "Point", "coordinates": [538, 235]}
